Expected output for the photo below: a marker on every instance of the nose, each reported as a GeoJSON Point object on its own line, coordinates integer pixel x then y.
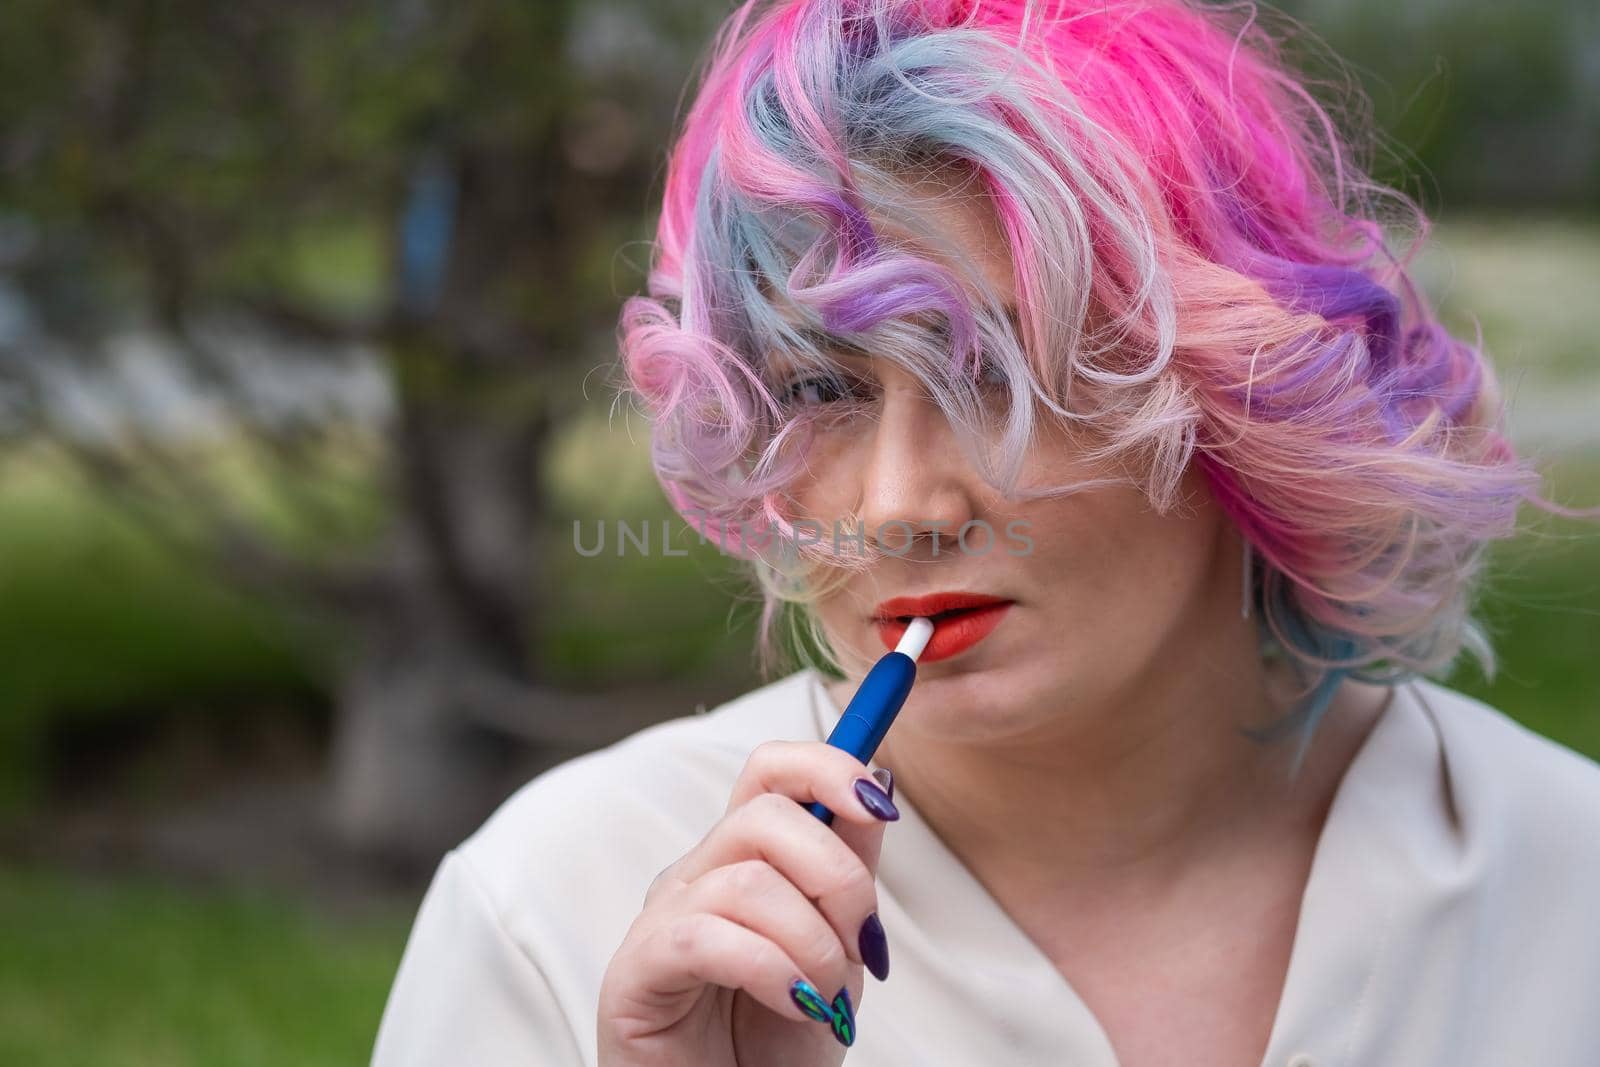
{"type": "Point", "coordinates": [917, 488]}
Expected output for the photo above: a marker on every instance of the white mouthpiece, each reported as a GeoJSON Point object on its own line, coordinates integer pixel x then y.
{"type": "Point", "coordinates": [916, 638]}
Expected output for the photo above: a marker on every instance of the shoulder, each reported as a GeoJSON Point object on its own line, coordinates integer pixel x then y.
{"type": "Point", "coordinates": [1485, 736]}
{"type": "Point", "coordinates": [513, 938]}
{"type": "Point", "coordinates": [610, 820]}
{"type": "Point", "coordinates": [1537, 797]}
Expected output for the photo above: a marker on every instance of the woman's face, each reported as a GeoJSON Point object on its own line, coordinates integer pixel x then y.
{"type": "Point", "coordinates": [1109, 595]}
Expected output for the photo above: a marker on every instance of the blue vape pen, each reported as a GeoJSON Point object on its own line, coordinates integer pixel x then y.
{"type": "Point", "coordinates": [877, 701]}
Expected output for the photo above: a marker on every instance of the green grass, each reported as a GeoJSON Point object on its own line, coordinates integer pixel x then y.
{"type": "Point", "coordinates": [134, 974]}
{"type": "Point", "coordinates": [1541, 604]}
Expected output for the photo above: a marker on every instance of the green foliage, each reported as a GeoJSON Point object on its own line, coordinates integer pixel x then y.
{"type": "Point", "coordinates": [1465, 94]}
{"type": "Point", "coordinates": [99, 620]}
{"type": "Point", "coordinates": [634, 614]}
{"type": "Point", "coordinates": [185, 152]}
{"type": "Point", "coordinates": [637, 615]}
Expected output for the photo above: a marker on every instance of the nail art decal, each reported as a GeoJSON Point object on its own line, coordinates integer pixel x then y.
{"type": "Point", "coordinates": [805, 994]}
{"type": "Point", "coordinates": [844, 1018]}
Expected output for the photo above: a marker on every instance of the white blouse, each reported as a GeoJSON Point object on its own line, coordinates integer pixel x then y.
{"type": "Point", "coordinates": [1451, 917]}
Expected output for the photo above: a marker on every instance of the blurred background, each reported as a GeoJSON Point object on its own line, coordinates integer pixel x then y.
{"type": "Point", "coordinates": [306, 315]}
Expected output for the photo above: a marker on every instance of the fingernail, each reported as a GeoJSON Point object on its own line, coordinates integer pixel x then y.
{"type": "Point", "coordinates": [874, 947]}
{"type": "Point", "coordinates": [805, 994]}
{"type": "Point", "coordinates": [875, 800]}
{"type": "Point", "coordinates": [885, 778]}
{"type": "Point", "coordinates": [844, 1018]}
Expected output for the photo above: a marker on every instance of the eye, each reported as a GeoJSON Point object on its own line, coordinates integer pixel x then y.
{"type": "Point", "coordinates": [991, 375]}
{"type": "Point", "coordinates": [814, 390]}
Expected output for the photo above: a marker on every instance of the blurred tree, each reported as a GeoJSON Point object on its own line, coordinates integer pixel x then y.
{"type": "Point", "coordinates": [443, 184]}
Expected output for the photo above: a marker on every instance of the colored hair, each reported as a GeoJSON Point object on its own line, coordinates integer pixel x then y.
{"type": "Point", "coordinates": [1203, 276]}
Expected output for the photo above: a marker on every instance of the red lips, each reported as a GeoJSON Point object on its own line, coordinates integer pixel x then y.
{"type": "Point", "coordinates": [960, 620]}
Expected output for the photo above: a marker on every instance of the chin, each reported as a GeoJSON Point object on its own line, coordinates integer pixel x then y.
{"type": "Point", "coordinates": [954, 717]}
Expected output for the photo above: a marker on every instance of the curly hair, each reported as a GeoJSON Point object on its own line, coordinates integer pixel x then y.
{"type": "Point", "coordinates": [1203, 272]}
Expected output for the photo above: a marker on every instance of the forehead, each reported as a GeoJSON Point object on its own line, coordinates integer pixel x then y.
{"type": "Point", "coordinates": [940, 212]}
{"type": "Point", "coordinates": [957, 224]}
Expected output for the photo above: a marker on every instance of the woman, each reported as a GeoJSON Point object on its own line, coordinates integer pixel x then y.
{"type": "Point", "coordinates": [1097, 286]}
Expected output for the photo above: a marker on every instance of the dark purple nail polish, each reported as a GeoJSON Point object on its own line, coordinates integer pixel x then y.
{"type": "Point", "coordinates": [844, 1018]}
{"type": "Point", "coordinates": [875, 800]}
{"type": "Point", "coordinates": [885, 778]}
{"type": "Point", "coordinates": [874, 947]}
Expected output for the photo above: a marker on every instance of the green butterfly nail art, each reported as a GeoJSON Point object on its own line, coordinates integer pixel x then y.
{"type": "Point", "coordinates": [805, 994]}
{"type": "Point", "coordinates": [844, 1018]}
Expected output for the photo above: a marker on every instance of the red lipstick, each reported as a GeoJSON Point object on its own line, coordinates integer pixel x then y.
{"type": "Point", "coordinates": [960, 620]}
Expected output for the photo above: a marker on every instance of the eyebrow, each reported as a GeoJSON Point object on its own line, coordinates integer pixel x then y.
{"type": "Point", "coordinates": [836, 345]}
{"type": "Point", "coordinates": [824, 341]}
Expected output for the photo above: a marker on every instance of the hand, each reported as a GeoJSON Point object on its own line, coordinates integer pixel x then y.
{"type": "Point", "coordinates": [769, 896]}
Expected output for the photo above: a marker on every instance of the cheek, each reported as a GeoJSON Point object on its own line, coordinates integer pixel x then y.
{"type": "Point", "coordinates": [1126, 566]}
{"type": "Point", "coordinates": [824, 487]}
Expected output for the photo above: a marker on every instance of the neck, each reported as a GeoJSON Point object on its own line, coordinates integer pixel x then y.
{"type": "Point", "coordinates": [1141, 786]}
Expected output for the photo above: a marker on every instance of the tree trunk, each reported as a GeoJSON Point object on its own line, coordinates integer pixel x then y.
{"type": "Point", "coordinates": [413, 766]}
{"type": "Point", "coordinates": [411, 774]}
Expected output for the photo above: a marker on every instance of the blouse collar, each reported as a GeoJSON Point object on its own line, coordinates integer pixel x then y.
{"type": "Point", "coordinates": [1385, 809]}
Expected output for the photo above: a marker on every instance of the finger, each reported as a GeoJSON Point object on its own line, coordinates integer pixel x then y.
{"type": "Point", "coordinates": [863, 838]}
{"type": "Point", "coordinates": [775, 830]}
{"type": "Point", "coordinates": [806, 771]}
{"type": "Point", "coordinates": [872, 940]}
{"type": "Point", "coordinates": [693, 949]}
{"type": "Point", "coordinates": [866, 838]}
{"type": "Point", "coordinates": [755, 895]}
{"type": "Point", "coordinates": [866, 842]}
